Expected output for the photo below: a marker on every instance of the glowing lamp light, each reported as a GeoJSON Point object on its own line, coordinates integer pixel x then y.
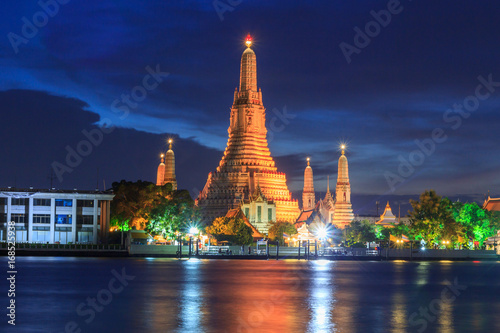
{"type": "Point", "coordinates": [322, 233]}
{"type": "Point", "coordinates": [169, 140]}
{"type": "Point", "coordinates": [248, 41]}
{"type": "Point", "coordinates": [193, 230]}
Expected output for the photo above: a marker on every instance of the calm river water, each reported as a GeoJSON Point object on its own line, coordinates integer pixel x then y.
{"type": "Point", "coordinates": [168, 295]}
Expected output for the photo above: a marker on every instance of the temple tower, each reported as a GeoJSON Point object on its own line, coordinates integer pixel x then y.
{"type": "Point", "coordinates": [247, 160]}
{"type": "Point", "coordinates": [160, 174]}
{"type": "Point", "coordinates": [166, 171]}
{"type": "Point", "coordinates": [308, 197]}
{"type": "Point", "coordinates": [343, 214]}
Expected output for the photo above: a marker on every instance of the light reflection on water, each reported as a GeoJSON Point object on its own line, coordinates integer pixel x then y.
{"type": "Point", "coordinates": [321, 301]}
{"type": "Point", "coordinates": [256, 296]}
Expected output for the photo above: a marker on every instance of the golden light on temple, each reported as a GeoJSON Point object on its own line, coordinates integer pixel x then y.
{"type": "Point", "coordinates": [343, 147]}
{"type": "Point", "coordinates": [308, 159]}
{"type": "Point", "coordinates": [248, 41]}
{"type": "Point", "coordinates": [162, 155]}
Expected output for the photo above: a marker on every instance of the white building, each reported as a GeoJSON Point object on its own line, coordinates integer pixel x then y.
{"type": "Point", "coordinates": [55, 216]}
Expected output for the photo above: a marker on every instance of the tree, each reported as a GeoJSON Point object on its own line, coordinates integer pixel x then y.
{"type": "Point", "coordinates": [231, 229]}
{"type": "Point", "coordinates": [431, 219]}
{"type": "Point", "coordinates": [478, 223]}
{"type": "Point", "coordinates": [360, 232]}
{"type": "Point", "coordinates": [157, 209]}
{"type": "Point", "coordinates": [171, 214]}
{"type": "Point", "coordinates": [276, 230]}
{"type": "Point", "coordinates": [132, 201]}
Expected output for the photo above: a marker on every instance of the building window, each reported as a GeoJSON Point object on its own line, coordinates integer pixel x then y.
{"type": "Point", "coordinates": [247, 212]}
{"type": "Point", "coordinates": [3, 218]}
{"type": "Point", "coordinates": [3, 201]}
{"type": "Point", "coordinates": [18, 201]}
{"type": "Point", "coordinates": [17, 218]}
{"type": "Point", "coordinates": [85, 203]}
{"type": "Point", "coordinates": [41, 218]}
{"type": "Point", "coordinates": [41, 202]}
{"type": "Point", "coordinates": [64, 202]}
{"type": "Point", "coordinates": [269, 214]}
{"type": "Point", "coordinates": [85, 219]}
{"type": "Point", "coordinates": [259, 213]}
{"type": "Point", "coordinates": [63, 219]}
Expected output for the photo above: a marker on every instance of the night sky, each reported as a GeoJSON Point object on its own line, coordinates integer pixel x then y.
{"type": "Point", "coordinates": [428, 72]}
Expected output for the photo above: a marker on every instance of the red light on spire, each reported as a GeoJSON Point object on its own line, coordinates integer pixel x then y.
{"type": "Point", "coordinates": [248, 40]}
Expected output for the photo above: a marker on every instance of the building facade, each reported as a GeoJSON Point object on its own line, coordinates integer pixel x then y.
{"type": "Point", "coordinates": [247, 161]}
{"type": "Point", "coordinates": [259, 211]}
{"type": "Point", "coordinates": [55, 216]}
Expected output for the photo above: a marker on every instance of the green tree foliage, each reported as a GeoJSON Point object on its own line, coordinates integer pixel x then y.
{"type": "Point", "coordinates": [172, 213]}
{"type": "Point", "coordinates": [229, 229]}
{"type": "Point", "coordinates": [157, 209]}
{"type": "Point", "coordinates": [478, 223]}
{"type": "Point", "coordinates": [276, 230]}
{"type": "Point", "coordinates": [360, 232]}
{"type": "Point", "coordinates": [432, 220]}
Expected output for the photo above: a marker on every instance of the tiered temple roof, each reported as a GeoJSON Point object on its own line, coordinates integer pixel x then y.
{"type": "Point", "coordinates": [247, 161]}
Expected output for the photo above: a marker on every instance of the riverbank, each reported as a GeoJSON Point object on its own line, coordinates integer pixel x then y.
{"type": "Point", "coordinates": [272, 253]}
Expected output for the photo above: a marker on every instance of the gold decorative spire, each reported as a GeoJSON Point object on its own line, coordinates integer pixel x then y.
{"type": "Point", "coordinates": [248, 70]}
{"type": "Point", "coordinates": [162, 157]}
{"type": "Point", "coordinates": [308, 195]}
{"type": "Point", "coordinates": [170, 144]}
{"type": "Point", "coordinates": [247, 163]}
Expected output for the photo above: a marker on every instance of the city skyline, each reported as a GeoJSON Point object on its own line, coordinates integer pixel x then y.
{"type": "Point", "coordinates": [388, 97]}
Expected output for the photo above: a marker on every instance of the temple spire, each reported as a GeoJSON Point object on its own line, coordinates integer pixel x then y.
{"type": "Point", "coordinates": [169, 167]}
{"type": "Point", "coordinates": [343, 214]}
{"type": "Point", "coordinates": [160, 175]}
{"type": "Point", "coordinates": [247, 162]}
{"type": "Point", "coordinates": [248, 69]}
{"type": "Point", "coordinates": [308, 196]}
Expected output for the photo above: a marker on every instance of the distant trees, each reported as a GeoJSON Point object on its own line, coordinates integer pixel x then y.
{"type": "Point", "coordinates": [477, 223]}
{"type": "Point", "coordinates": [360, 232]}
{"type": "Point", "coordinates": [231, 229]}
{"type": "Point", "coordinates": [156, 209]}
{"type": "Point", "coordinates": [276, 230]}
{"type": "Point", "coordinates": [173, 213]}
{"type": "Point", "coordinates": [435, 219]}
{"type": "Point", "coordinates": [432, 219]}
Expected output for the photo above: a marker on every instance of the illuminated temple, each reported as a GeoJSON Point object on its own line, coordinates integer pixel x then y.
{"type": "Point", "coordinates": [246, 166]}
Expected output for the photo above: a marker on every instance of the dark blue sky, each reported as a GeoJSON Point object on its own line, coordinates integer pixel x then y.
{"type": "Point", "coordinates": [69, 73]}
